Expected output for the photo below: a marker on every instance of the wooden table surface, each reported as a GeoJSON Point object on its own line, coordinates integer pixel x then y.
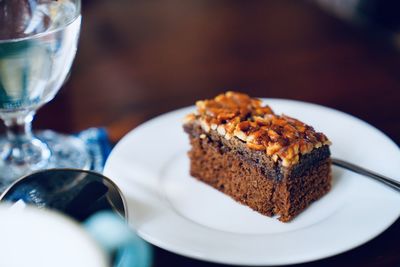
{"type": "Point", "coordinates": [139, 59]}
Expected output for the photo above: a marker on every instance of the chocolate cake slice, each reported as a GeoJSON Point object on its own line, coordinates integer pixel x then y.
{"type": "Point", "coordinates": [272, 163]}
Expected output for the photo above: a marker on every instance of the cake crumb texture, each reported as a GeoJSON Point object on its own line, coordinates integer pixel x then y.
{"type": "Point", "coordinates": [246, 183]}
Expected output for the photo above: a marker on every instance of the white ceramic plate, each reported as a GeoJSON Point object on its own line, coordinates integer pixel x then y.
{"type": "Point", "coordinates": [178, 213]}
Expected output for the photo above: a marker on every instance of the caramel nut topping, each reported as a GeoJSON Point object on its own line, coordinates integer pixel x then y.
{"type": "Point", "coordinates": [221, 130]}
{"type": "Point", "coordinates": [189, 118]}
{"type": "Point", "coordinates": [244, 125]}
{"type": "Point", "coordinates": [273, 135]}
{"type": "Point", "coordinates": [255, 146]}
{"type": "Point", "coordinates": [237, 115]}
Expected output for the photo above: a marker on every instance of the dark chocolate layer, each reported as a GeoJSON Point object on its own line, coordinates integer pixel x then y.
{"type": "Point", "coordinates": [259, 158]}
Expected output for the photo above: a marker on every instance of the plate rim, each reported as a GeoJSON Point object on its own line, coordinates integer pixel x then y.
{"type": "Point", "coordinates": [186, 252]}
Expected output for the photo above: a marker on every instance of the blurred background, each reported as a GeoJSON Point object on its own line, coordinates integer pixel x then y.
{"type": "Point", "coordinates": [140, 58]}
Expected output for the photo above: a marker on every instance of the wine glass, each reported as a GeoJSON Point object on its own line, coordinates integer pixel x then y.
{"type": "Point", "coordinates": [38, 42]}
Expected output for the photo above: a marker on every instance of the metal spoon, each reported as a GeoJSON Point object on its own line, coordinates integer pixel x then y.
{"type": "Point", "coordinates": [77, 193]}
{"type": "Point", "coordinates": [357, 169]}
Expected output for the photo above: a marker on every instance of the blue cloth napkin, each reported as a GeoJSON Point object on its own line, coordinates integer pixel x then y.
{"type": "Point", "coordinates": [98, 146]}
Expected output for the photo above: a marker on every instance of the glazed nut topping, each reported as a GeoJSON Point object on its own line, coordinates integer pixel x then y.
{"type": "Point", "coordinates": [237, 115]}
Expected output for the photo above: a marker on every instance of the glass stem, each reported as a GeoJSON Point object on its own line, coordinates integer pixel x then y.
{"type": "Point", "coordinates": [19, 128]}
{"type": "Point", "coordinates": [23, 148]}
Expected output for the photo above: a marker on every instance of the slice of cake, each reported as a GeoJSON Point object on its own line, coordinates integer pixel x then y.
{"type": "Point", "coordinates": [272, 163]}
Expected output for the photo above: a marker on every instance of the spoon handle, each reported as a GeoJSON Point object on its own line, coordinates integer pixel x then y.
{"type": "Point", "coordinates": [357, 169]}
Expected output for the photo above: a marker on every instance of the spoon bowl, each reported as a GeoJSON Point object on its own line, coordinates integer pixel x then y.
{"type": "Point", "coordinates": [74, 192]}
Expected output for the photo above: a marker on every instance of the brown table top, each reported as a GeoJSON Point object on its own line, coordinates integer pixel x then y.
{"type": "Point", "coordinates": [138, 59]}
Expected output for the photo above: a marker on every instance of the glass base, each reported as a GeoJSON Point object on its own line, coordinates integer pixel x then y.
{"type": "Point", "coordinates": [65, 152]}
